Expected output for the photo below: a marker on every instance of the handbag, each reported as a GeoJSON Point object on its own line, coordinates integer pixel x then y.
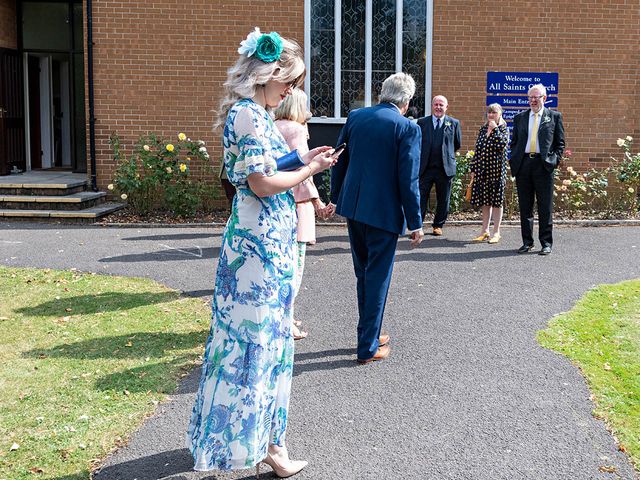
{"type": "Point", "coordinates": [467, 194]}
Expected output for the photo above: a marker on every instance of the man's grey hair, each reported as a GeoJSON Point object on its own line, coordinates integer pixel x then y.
{"type": "Point", "coordinates": [540, 87]}
{"type": "Point", "coordinates": [398, 89]}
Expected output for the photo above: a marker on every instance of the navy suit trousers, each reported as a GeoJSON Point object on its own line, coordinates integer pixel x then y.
{"type": "Point", "coordinates": [430, 177]}
{"type": "Point", "coordinates": [373, 251]}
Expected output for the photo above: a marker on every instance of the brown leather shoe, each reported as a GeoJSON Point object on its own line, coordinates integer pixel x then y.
{"type": "Point", "coordinates": [383, 339]}
{"type": "Point", "coordinates": [437, 231]}
{"type": "Point", "coordinates": [382, 353]}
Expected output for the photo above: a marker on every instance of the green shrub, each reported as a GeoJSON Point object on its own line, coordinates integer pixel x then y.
{"type": "Point", "coordinates": [627, 171]}
{"type": "Point", "coordinates": [158, 174]}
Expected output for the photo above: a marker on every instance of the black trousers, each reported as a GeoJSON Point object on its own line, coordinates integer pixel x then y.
{"type": "Point", "coordinates": [437, 177]}
{"type": "Point", "coordinates": [535, 182]}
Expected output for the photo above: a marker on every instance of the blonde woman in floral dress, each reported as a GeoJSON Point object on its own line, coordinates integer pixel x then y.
{"type": "Point", "coordinates": [489, 172]}
{"type": "Point", "coordinates": [240, 414]}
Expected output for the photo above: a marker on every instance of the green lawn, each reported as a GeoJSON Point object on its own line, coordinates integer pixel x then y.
{"type": "Point", "coordinates": [84, 359]}
{"type": "Point", "coordinates": [601, 335]}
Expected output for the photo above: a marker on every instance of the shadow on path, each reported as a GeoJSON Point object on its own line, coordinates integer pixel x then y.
{"type": "Point", "coordinates": [427, 256]}
{"type": "Point", "coordinates": [171, 254]}
{"type": "Point", "coordinates": [174, 236]}
{"type": "Point", "coordinates": [302, 364]}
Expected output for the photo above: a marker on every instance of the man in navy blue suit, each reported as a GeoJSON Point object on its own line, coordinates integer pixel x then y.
{"type": "Point", "coordinates": [441, 138]}
{"type": "Point", "coordinates": [374, 186]}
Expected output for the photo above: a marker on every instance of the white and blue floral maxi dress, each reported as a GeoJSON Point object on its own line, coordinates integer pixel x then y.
{"type": "Point", "coordinates": [242, 403]}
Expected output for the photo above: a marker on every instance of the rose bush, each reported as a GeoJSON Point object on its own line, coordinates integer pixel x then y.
{"type": "Point", "coordinates": [157, 175]}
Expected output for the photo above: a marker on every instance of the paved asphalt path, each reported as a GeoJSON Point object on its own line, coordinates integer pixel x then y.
{"type": "Point", "coordinates": [467, 394]}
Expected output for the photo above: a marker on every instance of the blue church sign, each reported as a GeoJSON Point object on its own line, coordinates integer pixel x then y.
{"type": "Point", "coordinates": [520, 82]}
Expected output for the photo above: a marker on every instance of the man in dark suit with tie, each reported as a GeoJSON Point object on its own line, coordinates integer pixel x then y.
{"type": "Point", "coordinates": [441, 138]}
{"type": "Point", "coordinates": [537, 145]}
{"type": "Point", "coordinates": [374, 185]}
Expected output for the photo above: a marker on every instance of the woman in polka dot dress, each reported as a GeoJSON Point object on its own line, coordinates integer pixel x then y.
{"type": "Point", "coordinates": [489, 172]}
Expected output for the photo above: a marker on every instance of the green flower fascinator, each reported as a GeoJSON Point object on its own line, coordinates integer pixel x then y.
{"type": "Point", "coordinates": [266, 46]}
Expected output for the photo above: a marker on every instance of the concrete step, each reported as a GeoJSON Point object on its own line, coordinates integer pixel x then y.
{"type": "Point", "coordinates": [88, 215]}
{"type": "Point", "coordinates": [75, 201]}
{"type": "Point", "coordinates": [43, 182]}
{"type": "Point", "coordinates": [42, 188]}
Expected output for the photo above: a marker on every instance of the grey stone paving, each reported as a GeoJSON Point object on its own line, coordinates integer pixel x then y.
{"type": "Point", "coordinates": [467, 392]}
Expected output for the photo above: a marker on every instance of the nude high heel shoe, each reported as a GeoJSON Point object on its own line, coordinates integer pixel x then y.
{"type": "Point", "coordinates": [281, 465]}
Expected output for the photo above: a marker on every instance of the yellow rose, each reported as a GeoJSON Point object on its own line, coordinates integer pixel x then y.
{"type": "Point", "coordinates": [123, 196]}
{"type": "Point", "coordinates": [110, 186]}
{"type": "Point", "coordinates": [182, 137]}
{"type": "Point", "coordinates": [146, 148]}
{"type": "Point", "coordinates": [183, 167]}
{"type": "Point", "coordinates": [170, 147]}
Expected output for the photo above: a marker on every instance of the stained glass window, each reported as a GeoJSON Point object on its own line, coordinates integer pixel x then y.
{"type": "Point", "coordinates": [366, 34]}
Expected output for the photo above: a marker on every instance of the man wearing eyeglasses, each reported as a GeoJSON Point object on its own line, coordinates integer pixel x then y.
{"type": "Point", "coordinates": [537, 145]}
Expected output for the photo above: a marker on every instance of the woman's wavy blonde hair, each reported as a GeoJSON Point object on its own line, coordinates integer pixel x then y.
{"type": "Point", "coordinates": [293, 107]}
{"type": "Point", "coordinates": [249, 72]}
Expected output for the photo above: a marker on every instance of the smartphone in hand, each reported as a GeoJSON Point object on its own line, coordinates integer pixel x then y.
{"type": "Point", "coordinates": [339, 149]}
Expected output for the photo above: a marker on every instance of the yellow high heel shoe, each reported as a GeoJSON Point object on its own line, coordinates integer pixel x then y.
{"type": "Point", "coordinates": [495, 238]}
{"type": "Point", "coordinates": [481, 238]}
{"type": "Point", "coordinates": [281, 465]}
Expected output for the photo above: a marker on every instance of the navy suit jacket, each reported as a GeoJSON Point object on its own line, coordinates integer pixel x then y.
{"type": "Point", "coordinates": [451, 142]}
{"type": "Point", "coordinates": [375, 180]}
{"type": "Point", "coordinates": [550, 139]}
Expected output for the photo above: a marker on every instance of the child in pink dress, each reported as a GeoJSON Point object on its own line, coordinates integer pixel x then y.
{"type": "Point", "coordinates": [291, 119]}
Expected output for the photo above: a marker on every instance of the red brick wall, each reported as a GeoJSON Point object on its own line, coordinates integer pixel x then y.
{"type": "Point", "coordinates": [160, 67]}
{"type": "Point", "coordinates": [592, 44]}
{"type": "Point", "coordinates": [8, 35]}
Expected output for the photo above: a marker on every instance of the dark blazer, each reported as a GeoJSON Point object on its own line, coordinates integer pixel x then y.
{"type": "Point", "coordinates": [375, 180]}
{"type": "Point", "coordinates": [451, 141]}
{"type": "Point", "coordinates": [550, 139]}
